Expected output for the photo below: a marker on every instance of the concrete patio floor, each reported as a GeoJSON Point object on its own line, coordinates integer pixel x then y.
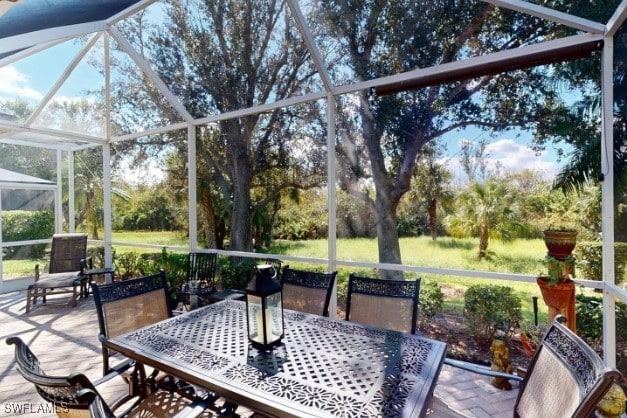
{"type": "Point", "coordinates": [65, 340]}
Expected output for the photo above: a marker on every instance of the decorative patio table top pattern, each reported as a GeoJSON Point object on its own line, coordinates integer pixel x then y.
{"type": "Point", "coordinates": [324, 367]}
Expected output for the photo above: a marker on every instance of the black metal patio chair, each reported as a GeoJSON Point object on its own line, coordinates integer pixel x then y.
{"type": "Point", "coordinates": [566, 377]}
{"type": "Point", "coordinates": [75, 395]}
{"type": "Point", "coordinates": [391, 304]}
{"type": "Point", "coordinates": [201, 272]}
{"type": "Point", "coordinates": [307, 291]}
{"type": "Point", "coordinates": [128, 305]}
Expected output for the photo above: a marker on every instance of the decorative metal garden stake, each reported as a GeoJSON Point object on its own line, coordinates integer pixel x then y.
{"type": "Point", "coordinates": [264, 308]}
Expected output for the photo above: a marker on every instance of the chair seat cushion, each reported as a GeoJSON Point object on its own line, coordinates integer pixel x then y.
{"type": "Point", "coordinates": [49, 280]}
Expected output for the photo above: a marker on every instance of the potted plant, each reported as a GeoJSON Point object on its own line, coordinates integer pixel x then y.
{"type": "Point", "coordinates": [557, 285]}
{"type": "Point", "coordinates": [558, 289]}
{"type": "Point", "coordinates": [560, 243]}
{"type": "Point", "coordinates": [560, 237]}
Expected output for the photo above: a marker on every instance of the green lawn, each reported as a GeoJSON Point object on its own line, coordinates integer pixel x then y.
{"type": "Point", "coordinates": [520, 256]}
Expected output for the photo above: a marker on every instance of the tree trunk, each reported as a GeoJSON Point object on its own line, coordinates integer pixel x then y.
{"type": "Point", "coordinates": [387, 196]}
{"type": "Point", "coordinates": [433, 226]}
{"type": "Point", "coordinates": [484, 234]}
{"type": "Point", "coordinates": [387, 238]}
{"type": "Point", "coordinates": [209, 224]}
{"type": "Point", "coordinates": [241, 218]}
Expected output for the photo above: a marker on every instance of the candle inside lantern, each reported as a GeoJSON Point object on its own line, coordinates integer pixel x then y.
{"type": "Point", "coordinates": [260, 326]}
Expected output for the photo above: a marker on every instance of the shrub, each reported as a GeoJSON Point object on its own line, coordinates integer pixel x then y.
{"type": "Point", "coordinates": [589, 314]}
{"type": "Point", "coordinates": [235, 272]}
{"type": "Point", "coordinates": [97, 254]}
{"type": "Point", "coordinates": [22, 225]}
{"type": "Point", "coordinates": [589, 260]}
{"type": "Point", "coordinates": [430, 300]}
{"type": "Point", "coordinates": [174, 265]}
{"type": "Point", "coordinates": [491, 309]}
{"type": "Point", "coordinates": [131, 264]}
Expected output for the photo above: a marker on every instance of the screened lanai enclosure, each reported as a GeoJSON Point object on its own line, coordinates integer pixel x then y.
{"type": "Point", "coordinates": [233, 112]}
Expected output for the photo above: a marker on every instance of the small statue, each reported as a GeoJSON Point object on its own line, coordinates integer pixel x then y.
{"type": "Point", "coordinates": [613, 403]}
{"type": "Point", "coordinates": [500, 363]}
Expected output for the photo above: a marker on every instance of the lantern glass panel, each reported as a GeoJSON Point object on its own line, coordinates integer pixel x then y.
{"type": "Point", "coordinates": [265, 318]}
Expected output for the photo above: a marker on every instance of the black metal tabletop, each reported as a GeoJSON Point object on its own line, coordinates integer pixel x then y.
{"type": "Point", "coordinates": [323, 368]}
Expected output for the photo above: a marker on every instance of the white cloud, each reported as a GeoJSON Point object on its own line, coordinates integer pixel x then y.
{"type": "Point", "coordinates": [510, 157]}
{"type": "Point", "coordinates": [150, 173]}
{"type": "Point", "coordinates": [14, 84]}
{"type": "Point", "coordinates": [514, 157]}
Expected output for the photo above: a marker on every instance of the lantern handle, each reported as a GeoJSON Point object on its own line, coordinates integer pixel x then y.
{"type": "Point", "coordinates": [263, 268]}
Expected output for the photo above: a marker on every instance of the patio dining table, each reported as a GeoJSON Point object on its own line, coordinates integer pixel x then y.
{"type": "Point", "coordinates": [323, 367]}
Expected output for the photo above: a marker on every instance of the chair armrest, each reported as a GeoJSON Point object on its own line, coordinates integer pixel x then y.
{"type": "Point", "coordinates": [97, 407]}
{"type": "Point", "coordinates": [87, 263]}
{"type": "Point", "coordinates": [116, 371]}
{"type": "Point", "coordinates": [483, 370]}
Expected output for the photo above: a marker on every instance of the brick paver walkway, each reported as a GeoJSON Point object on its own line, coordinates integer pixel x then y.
{"type": "Point", "coordinates": [65, 340]}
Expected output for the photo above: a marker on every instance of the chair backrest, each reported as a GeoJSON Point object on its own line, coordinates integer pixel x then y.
{"type": "Point", "coordinates": [566, 378]}
{"type": "Point", "coordinates": [307, 291]}
{"type": "Point", "coordinates": [66, 252]}
{"type": "Point", "coordinates": [60, 392]}
{"type": "Point", "coordinates": [202, 267]}
{"type": "Point", "coordinates": [391, 304]}
{"type": "Point", "coordinates": [130, 304]}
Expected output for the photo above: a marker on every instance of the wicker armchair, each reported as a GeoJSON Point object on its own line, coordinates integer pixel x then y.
{"type": "Point", "coordinates": [67, 261]}
{"type": "Point", "coordinates": [566, 378]}
{"type": "Point", "coordinates": [391, 304]}
{"type": "Point", "coordinates": [307, 291]}
{"type": "Point", "coordinates": [74, 395]}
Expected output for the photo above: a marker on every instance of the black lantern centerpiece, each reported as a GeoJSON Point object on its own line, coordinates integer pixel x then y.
{"type": "Point", "coordinates": [264, 308]}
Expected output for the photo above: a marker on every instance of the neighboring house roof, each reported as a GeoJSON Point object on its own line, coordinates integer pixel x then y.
{"type": "Point", "coordinates": [8, 176]}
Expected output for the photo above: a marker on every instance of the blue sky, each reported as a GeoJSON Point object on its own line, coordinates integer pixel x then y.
{"type": "Point", "coordinates": [31, 78]}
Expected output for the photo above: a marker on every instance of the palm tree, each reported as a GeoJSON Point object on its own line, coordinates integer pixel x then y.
{"type": "Point", "coordinates": [485, 209]}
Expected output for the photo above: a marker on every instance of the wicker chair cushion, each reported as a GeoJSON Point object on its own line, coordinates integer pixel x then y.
{"type": "Point", "coordinates": [304, 299]}
{"type": "Point", "coordinates": [125, 315]}
{"type": "Point", "coordinates": [551, 389]}
{"type": "Point", "coordinates": [55, 280]}
{"type": "Point", "coordinates": [382, 311]}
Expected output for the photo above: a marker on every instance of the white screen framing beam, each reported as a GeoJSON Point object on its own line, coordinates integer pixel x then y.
{"type": "Point", "coordinates": [607, 200]}
{"type": "Point", "coordinates": [151, 74]}
{"type": "Point", "coordinates": [15, 43]}
{"type": "Point", "coordinates": [62, 79]}
{"type": "Point", "coordinates": [550, 14]}
{"type": "Point", "coordinates": [617, 19]}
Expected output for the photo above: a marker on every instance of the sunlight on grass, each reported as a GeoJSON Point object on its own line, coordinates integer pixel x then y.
{"type": "Point", "coordinates": [164, 238]}
{"type": "Point", "coordinates": [519, 257]}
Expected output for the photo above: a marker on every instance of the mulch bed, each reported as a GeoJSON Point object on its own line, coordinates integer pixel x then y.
{"type": "Point", "coordinates": [451, 328]}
